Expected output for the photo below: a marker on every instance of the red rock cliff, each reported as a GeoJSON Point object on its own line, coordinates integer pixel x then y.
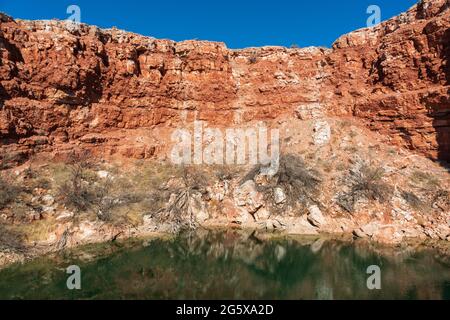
{"type": "Point", "coordinates": [63, 88]}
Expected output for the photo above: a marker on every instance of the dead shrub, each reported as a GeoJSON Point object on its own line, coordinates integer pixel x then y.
{"type": "Point", "coordinates": [253, 58]}
{"type": "Point", "coordinates": [441, 200]}
{"type": "Point", "coordinates": [412, 200]}
{"type": "Point", "coordinates": [9, 191]}
{"type": "Point", "coordinates": [299, 183]}
{"type": "Point", "coordinates": [77, 192]}
{"type": "Point", "coordinates": [180, 199]}
{"type": "Point", "coordinates": [425, 180]}
{"type": "Point", "coordinates": [11, 239]}
{"type": "Point", "coordinates": [365, 182]}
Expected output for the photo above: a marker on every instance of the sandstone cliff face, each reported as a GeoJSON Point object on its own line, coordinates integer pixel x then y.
{"type": "Point", "coordinates": [396, 77]}
{"type": "Point", "coordinates": [118, 93]}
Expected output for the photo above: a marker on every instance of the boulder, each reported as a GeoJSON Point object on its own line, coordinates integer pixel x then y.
{"type": "Point", "coordinates": [247, 196]}
{"type": "Point", "coordinates": [102, 174]}
{"type": "Point", "coordinates": [387, 235]}
{"type": "Point", "coordinates": [315, 216]}
{"type": "Point", "coordinates": [359, 233]}
{"type": "Point", "coordinates": [199, 209]}
{"type": "Point", "coordinates": [65, 215]}
{"type": "Point", "coordinates": [272, 224]}
{"type": "Point", "coordinates": [322, 133]}
{"type": "Point", "coordinates": [48, 200]}
{"type": "Point", "coordinates": [279, 195]}
{"type": "Point", "coordinates": [262, 214]}
{"type": "Point", "coordinates": [370, 228]}
{"type": "Point", "coordinates": [245, 218]}
{"type": "Point", "coordinates": [299, 226]}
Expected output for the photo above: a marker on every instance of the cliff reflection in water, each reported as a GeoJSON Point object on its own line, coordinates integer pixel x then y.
{"type": "Point", "coordinates": [235, 265]}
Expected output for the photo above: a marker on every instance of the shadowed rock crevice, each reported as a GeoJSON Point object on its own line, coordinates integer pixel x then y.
{"type": "Point", "coordinates": [446, 55]}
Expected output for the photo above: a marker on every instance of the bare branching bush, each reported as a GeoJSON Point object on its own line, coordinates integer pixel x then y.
{"type": "Point", "coordinates": [253, 58]}
{"type": "Point", "coordinates": [441, 200]}
{"type": "Point", "coordinates": [181, 199]}
{"type": "Point", "coordinates": [425, 180]}
{"type": "Point", "coordinates": [299, 183]}
{"type": "Point", "coordinates": [76, 193]}
{"type": "Point", "coordinates": [102, 202]}
{"type": "Point", "coordinates": [9, 191]}
{"type": "Point", "coordinates": [10, 239]}
{"type": "Point", "coordinates": [84, 191]}
{"type": "Point", "coordinates": [365, 182]}
{"type": "Point", "coordinates": [8, 160]}
{"type": "Point", "coordinates": [412, 200]}
{"type": "Point", "coordinates": [430, 187]}
{"type": "Point", "coordinates": [226, 172]}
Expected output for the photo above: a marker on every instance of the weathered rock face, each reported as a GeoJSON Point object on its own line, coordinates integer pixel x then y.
{"type": "Point", "coordinates": [396, 77]}
{"type": "Point", "coordinates": [119, 93]}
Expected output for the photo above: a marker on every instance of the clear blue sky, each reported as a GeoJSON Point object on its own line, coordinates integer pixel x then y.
{"type": "Point", "coordinates": [238, 23]}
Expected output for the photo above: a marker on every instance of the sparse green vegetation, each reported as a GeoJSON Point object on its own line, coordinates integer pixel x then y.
{"type": "Point", "coordinates": [392, 152]}
{"type": "Point", "coordinates": [8, 160]}
{"type": "Point", "coordinates": [345, 123]}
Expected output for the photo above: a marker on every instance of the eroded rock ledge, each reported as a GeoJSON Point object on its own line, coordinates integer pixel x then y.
{"type": "Point", "coordinates": [120, 93]}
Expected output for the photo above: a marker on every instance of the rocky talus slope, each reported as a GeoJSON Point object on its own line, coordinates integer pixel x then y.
{"type": "Point", "coordinates": [364, 130]}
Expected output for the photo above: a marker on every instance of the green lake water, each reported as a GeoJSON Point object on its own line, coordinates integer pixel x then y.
{"type": "Point", "coordinates": [231, 265]}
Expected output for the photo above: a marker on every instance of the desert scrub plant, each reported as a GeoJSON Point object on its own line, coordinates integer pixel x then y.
{"type": "Point", "coordinates": [365, 181]}
{"type": "Point", "coordinates": [353, 133]}
{"type": "Point", "coordinates": [226, 172]}
{"type": "Point", "coordinates": [412, 200]}
{"type": "Point", "coordinates": [429, 185]}
{"type": "Point", "coordinates": [345, 123]}
{"type": "Point", "coordinates": [252, 59]}
{"type": "Point", "coordinates": [299, 183]}
{"type": "Point", "coordinates": [75, 192]}
{"type": "Point", "coordinates": [9, 160]}
{"type": "Point", "coordinates": [85, 192]}
{"type": "Point", "coordinates": [441, 199]}
{"type": "Point", "coordinates": [182, 199]}
{"type": "Point", "coordinates": [9, 191]}
{"type": "Point", "coordinates": [11, 239]}
{"type": "Point", "coordinates": [35, 178]}
{"type": "Point", "coordinates": [425, 180]}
